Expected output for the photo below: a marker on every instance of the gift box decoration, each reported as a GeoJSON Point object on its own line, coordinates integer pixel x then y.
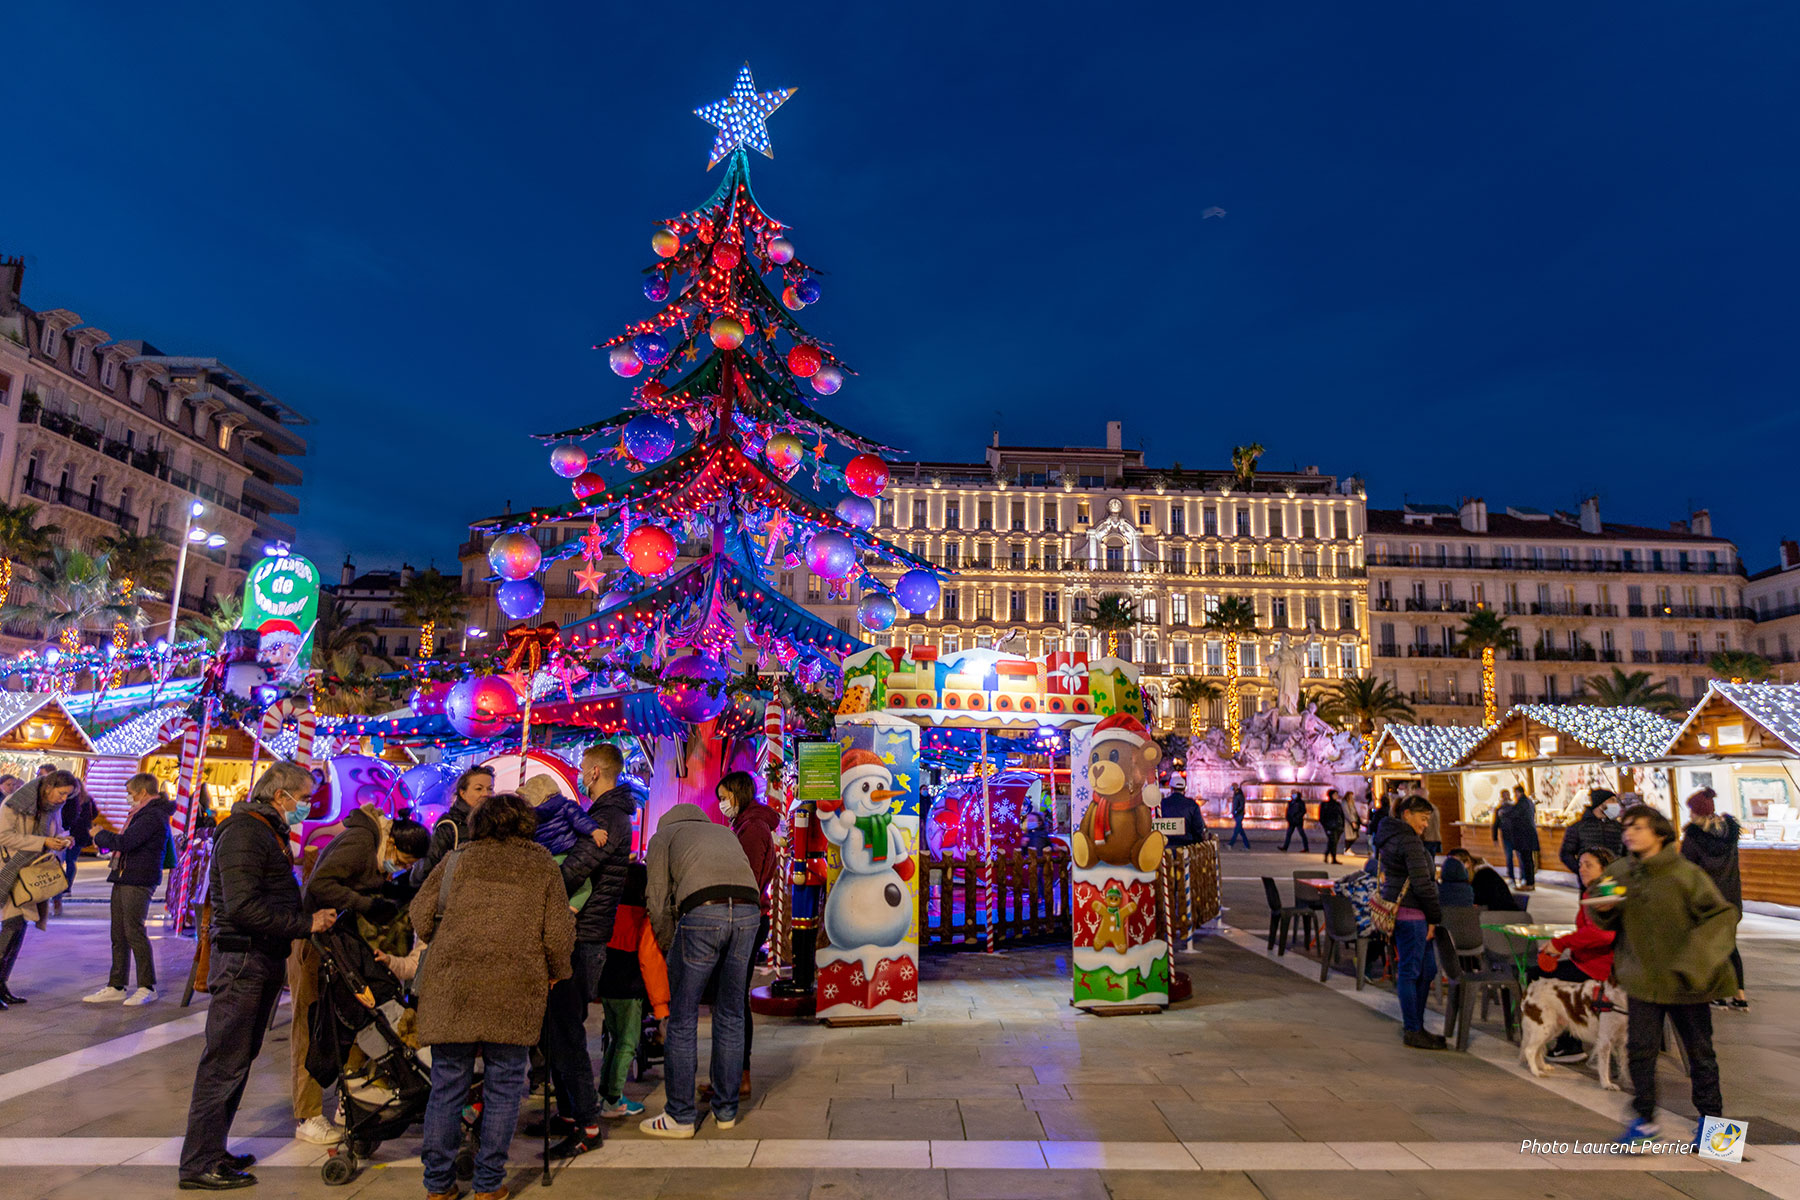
{"type": "Point", "coordinates": [865, 681]}
{"type": "Point", "coordinates": [1113, 688]}
{"type": "Point", "coordinates": [1066, 682]}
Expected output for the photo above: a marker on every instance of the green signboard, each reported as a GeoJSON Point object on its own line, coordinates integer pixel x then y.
{"type": "Point", "coordinates": [281, 602]}
{"type": "Point", "coordinates": [817, 765]}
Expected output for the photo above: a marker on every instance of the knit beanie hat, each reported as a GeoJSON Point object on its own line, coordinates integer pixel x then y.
{"type": "Point", "coordinates": [1701, 802]}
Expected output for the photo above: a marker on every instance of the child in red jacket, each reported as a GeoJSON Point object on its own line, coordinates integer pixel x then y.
{"type": "Point", "coordinates": [1589, 950]}
{"type": "Point", "coordinates": [634, 973]}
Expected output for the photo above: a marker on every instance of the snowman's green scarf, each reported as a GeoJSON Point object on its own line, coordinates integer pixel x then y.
{"type": "Point", "coordinates": [875, 833]}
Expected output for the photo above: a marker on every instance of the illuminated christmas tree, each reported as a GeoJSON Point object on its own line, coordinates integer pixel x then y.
{"type": "Point", "coordinates": [724, 366]}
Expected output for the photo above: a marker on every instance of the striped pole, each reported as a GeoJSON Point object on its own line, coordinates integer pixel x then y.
{"type": "Point", "coordinates": [987, 844]}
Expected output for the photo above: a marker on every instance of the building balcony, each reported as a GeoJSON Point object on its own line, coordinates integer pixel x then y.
{"type": "Point", "coordinates": [1564, 654]}
{"type": "Point", "coordinates": [1682, 656]}
{"type": "Point", "coordinates": [1426, 650]}
{"type": "Point", "coordinates": [1415, 604]}
{"type": "Point", "coordinates": [1777, 613]}
{"type": "Point", "coordinates": [1558, 567]}
{"type": "Point", "coordinates": [1445, 699]}
{"type": "Point", "coordinates": [1562, 610]}
{"type": "Point", "coordinates": [1692, 612]}
{"type": "Point", "coordinates": [38, 489]}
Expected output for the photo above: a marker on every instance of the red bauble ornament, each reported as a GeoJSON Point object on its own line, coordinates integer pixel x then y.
{"type": "Point", "coordinates": [803, 360]}
{"type": "Point", "coordinates": [648, 550]}
{"type": "Point", "coordinates": [866, 475]}
{"type": "Point", "coordinates": [587, 484]}
{"type": "Point", "coordinates": [728, 254]}
{"type": "Point", "coordinates": [653, 390]}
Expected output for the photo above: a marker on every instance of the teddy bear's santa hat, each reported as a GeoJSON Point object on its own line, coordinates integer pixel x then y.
{"type": "Point", "coordinates": [1130, 731]}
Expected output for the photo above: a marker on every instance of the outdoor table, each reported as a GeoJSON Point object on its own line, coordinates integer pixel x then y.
{"type": "Point", "coordinates": [1322, 885]}
{"type": "Point", "coordinates": [1524, 941]}
{"type": "Point", "coordinates": [1321, 888]}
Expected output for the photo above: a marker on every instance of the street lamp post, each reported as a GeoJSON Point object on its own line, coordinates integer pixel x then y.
{"type": "Point", "coordinates": [190, 534]}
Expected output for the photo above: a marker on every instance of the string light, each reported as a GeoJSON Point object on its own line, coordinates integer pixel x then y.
{"type": "Point", "coordinates": [741, 117]}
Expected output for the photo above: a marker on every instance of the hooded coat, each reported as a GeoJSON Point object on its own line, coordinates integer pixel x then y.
{"type": "Point", "coordinates": [1711, 844]}
{"type": "Point", "coordinates": [690, 861]}
{"type": "Point", "coordinates": [1678, 930]}
{"type": "Point", "coordinates": [349, 875]}
{"type": "Point", "coordinates": [1592, 830]}
{"type": "Point", "coordinates": [1454, 888]}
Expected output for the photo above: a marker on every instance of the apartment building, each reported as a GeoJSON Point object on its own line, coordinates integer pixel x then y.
{"type": "Point", "coordinates": [374, 596]}
{"type": "Point", "coordinates": [111, 435]}
{"type": "Point", "coordinates": [1580, 594]}
{"type": "Point", "coordinates": [1774, 599]}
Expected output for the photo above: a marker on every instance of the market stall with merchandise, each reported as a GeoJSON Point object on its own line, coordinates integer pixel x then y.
{"type": "Point", "coordinates": [1419, 759]}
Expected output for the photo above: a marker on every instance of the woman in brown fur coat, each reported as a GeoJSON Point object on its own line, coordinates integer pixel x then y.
{"type": "Point", "coordinates": [500, 932]}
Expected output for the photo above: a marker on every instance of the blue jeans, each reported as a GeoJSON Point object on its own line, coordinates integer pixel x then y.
{"type": "Point", "coordinates": [1417, 970]}
{"type": "Point", "coordinates": [503, 1087]}
{"type": "Point", "coordinates": [1506, 844]}
{"type": "Point", "coordinates": [712, 938]}
{"type": "Point", "coordinates": [1237, 831]}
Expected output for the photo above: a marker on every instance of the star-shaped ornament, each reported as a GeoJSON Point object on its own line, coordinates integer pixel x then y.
{"type": "Point", "coordinates": [588, 579]}
{"type": "Point", "coordinates": [741, 118]}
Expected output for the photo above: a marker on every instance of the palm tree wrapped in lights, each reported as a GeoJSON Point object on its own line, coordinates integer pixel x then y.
{"type": "Point", "coordinates": [1234, 617]}
{"type": "Point", "coordinates": [1111, 615]}
{"type": "Point", "coordinates": [76, 594]}
{"type": "Point", "coordinates": [430, 599]}
{"type": "Point", "coordinates": [22, 539]}
{"type": "Point", "coordinates": [1194, 691]}
{"type": "Point", "coordinates": [1483, 632]}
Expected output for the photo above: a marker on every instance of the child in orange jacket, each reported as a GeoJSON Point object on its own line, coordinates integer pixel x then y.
{"type": "Point", "coordinates": [634, 973]}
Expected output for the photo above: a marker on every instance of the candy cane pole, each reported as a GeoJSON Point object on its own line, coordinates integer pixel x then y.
{"type": "Point", "coordinates": [987, 844]}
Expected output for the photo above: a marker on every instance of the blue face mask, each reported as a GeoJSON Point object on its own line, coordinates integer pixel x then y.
{"type": "Point", "coordinates": [301, 811]}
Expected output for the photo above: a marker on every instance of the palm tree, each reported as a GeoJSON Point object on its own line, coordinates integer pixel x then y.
{"type": "Point", "coordinates": [22, 539]}
{"type": "Point", "coordinates": [1739, 666]}
{"type": "Point", "coordinates": [345, 690]}
{"type": "Point", "coordinates": [1111, 614]}
{"type": "Point", "coordinates": [137, 562]}
{"type": "Point", "coordinates": [1483, 632]}
{"type": "Point", "coordinates": [1243, 463]}
{"type": "Point", "coordinates": [1360, 701]}
{"type": "Point", "coordinates": [76, 594]}
{"type": "Point", "coordinates": [337, 632]}
{"type": "Point", "coordinates": [429, 599]}
{"type": "Point", "coordinates": [1234, 617]}
{"type": "Point", "coordinates": [1194, 691]}
{"type": "Point", "coordinates": [1632, 690]}
{"type": "Point", "coordinates": [227, 612]}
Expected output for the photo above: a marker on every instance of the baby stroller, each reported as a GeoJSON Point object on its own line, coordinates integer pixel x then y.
{"type": "Point", "coordinates": [383, 1092]}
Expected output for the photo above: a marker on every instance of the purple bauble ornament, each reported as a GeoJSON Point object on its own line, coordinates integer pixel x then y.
{"type": "Point", "coordinates": [652, 347]}
{"type": "Point", "coordinates": [656, 289]}
{"type": "Point", "coordinates": [877, 611]}
{"type": "Point", "coordinates": [648, 439]}
{"type": "Point", "coordinates": [781, 250]}
{"type": "Point", "coordinates": [808, 291]}
{"type": "Point", "coordinates": [855, 510]}
{"type": "Point", "coordinates": [830, 555]}
{"type": "Point", "coordinates": [624, 361]}
{"type": "Point", "coordinates": [481, 707]}
{"type": "Point", "coordinates": [693, 688]}
{"type": "Point", "coordinates": [827, 380]}
{"type": "Point", "coordinates": [520, 598]}
{"type": "Point", "coordinates": [917, 591]}
{"type": "Point", "coordinates": [515, 555]}
{"type": "Point", "coordinates": [568, 460]}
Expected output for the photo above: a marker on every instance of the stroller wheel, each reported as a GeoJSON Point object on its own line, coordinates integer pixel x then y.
{"type": "Point", "coordinates": [338, 1170]}
{"type": "Point", "coordinates": [465, 1164]}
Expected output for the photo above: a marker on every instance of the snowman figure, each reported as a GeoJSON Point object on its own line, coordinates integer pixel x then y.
{"type": "Point", "coordinates": [870, 904]}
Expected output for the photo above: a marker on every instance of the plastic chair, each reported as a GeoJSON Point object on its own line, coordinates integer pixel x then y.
{"type": "Point", "coordinates": [1467, 986]}
{"type": "Point", "coordinates": [1341, 932]}
{"type": "Point", "coordinates": [1282, 917]}
{"type": "Point", "coordinates": [1308, 898]}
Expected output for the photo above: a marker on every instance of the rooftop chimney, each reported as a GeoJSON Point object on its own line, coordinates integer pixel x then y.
{"type": "Point", "coordinates": [12, 284]}
{"type": "Point", "coordinates": [1700, 523]}
{"type": "Point", "coordinates": [995, 443]}
{"type": "Point", "coordinates": [1473, 514]}
{"type": "Point", "coordinates": [348, 575]}
{"type": "Point", "coordinates": [1790, 555]}
{"type": "Point", "coordinates": [1590, 515]}
{"type": "Point", "coordinates": [1115, 435]}
{"type": "Point", "coordinates": [406, 574]}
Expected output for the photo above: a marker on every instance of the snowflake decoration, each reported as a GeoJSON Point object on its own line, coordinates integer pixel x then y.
{"type": "Point", "coordinates": [882, 988]}
{"type": "Point", "coordinates": [831, 991]}
{"type": "Point", "coordinates": [856, 977]}
{"type": "Point", "coordinates": [906, 970]}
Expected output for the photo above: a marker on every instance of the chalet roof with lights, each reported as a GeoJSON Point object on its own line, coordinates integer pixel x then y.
{"type": "Point", "coordinates": [1422, 749]}
{"type": "Point", "coordinates": [39, 722]}
{"type": "Point", "coordinates": [1759, 720]}
{"type": "Point", "coordinates": [1571, 733]}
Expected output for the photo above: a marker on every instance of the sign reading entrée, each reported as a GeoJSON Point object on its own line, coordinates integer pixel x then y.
{"type": "Point", "coordinates": [817, 770]}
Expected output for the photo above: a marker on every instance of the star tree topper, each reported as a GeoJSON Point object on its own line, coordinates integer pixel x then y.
{"type": "Point", "coordinates": [742, 117]}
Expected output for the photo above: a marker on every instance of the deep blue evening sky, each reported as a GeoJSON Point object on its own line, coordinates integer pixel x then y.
{"type": "Point", "coordinates": [1523, 251]}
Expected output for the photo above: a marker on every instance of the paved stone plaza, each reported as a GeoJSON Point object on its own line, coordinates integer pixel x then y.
{"type": "Point", "coordinates": [1266, 1083]}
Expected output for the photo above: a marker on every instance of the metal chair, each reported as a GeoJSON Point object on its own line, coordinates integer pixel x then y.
{"type": "Point", "coordinates": [1467, 986]}
{"type": "Point", "coordinates": [1282, 917]}
{"type": "Point", "coordinates": [1308, 898]}
{"type": "Point", "coordinates": [1341, 931]}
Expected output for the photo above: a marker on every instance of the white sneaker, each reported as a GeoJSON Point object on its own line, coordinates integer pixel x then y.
{"type": "Point", "coordinates": [141, 997]}
{"type": "Point", "coordinates": [106, 995]}
{"type": "Point", "coordinates": [664, 1126]}
{"type": "Point", "coordinates": [319, 1132]}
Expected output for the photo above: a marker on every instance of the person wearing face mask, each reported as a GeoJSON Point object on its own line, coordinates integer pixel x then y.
{"type": "Point", "coordinates": [1598, 826]}
{"type": "Point", "coordinates": [473, 787]}
{"type": "Point", "coordinates": [137, 858]}
{"type": "Point", "coordinates": [600, 864]}
{"type": "Point", "coordinates": [257, 915]}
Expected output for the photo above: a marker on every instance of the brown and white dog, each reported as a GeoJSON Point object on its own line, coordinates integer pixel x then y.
{"type": "Point", "coordinates": [1554, 1005]}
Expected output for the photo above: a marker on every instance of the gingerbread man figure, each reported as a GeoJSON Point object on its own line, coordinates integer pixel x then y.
{"type": "Point", "coordinates": [1114, 911]}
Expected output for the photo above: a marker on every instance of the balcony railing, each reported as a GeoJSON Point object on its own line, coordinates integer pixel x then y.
{"type": "Point", "coordinates": [1445, 699]}
{"type": "Point", "coordinates": [1692, 612]}
{"type": "Point", "coordinates": [1564, 654]}
{"type": "Point", "coordinates": [1562, 610]}
{"type": "Point", "coordinates": [68, 497]}
{"type": "Point", "coordinates": [1557, 566]}
{"type": "Point", "coordinates": [150, 462]}
{"type": "Point", "coordinates": [1415, 604]}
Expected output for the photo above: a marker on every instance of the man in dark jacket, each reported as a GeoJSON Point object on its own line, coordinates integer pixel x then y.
{"type": "Point", "coordinates": [137, 864]}
{"type": "Point", "coordinates": [1521, 829]}
{"type": "Point", "coordinates": [452, 829]}
{"type": "Point", "coordinates": [1296, 823]}
{"type": "Point", "coordinates": [1598, 826]}
{"type": "Point", "coordinates": [754, 823]}
{"type": "Point", "coordinates": [1710, 842]}
{"type": "Point", "coordinates": [1178, 804]}
{"type": "Point", "coordinates": [1239, 804]}
{"type": "Point", "coordinates": [1406, 876]}
{"type": "Point", "coordinates": [604, 868]}
{"type": "Point", "coordinates": [1331, 820]}
{"type": "Point", "coordinates": [256, 917]}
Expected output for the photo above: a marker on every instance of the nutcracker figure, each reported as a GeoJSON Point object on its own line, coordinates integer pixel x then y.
{"type": "Point", "coordinates": [807, 847]}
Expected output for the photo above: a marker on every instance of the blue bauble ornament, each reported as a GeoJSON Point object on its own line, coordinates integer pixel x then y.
{"type": "Point", "coordinates": [808, 291]}
{"type": "Point", "coordinates": [652, 347]}
{"type": "Point", "coordinates": [917, 591]}
{"type": "Point", "coordinates": [520, 598]}
{"type": "Point", "coordinates": [515, 555]}
{"type": "Point", "coordinates": [656, 289]}
{"type": "Point", "coordinates": [693, 688]}
{"type": "Point", "coordinates": [830, 555]}
{"type": "Point", "coordinates": [482, 706]}
{"type": "Point", "coordinates": [855, 510]}
{"type": "Point", "coordinates": [648, 439]}
{"type": "Point", "coordinates": [568, 460]}
{"type": "Point", "coordinates": [877, 611]}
